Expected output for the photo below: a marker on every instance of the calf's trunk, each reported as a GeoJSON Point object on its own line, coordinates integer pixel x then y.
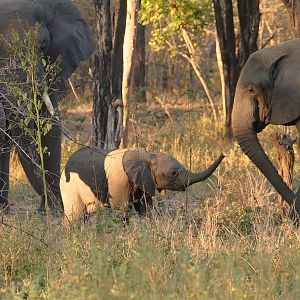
{"type": "Point", "coordinates": [197, 177]}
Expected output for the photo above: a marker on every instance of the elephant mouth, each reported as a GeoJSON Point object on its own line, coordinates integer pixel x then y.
{"type": "Point", "coordinates": [182, 189]}
{"type": "Point", "coordinates": [176, 188]}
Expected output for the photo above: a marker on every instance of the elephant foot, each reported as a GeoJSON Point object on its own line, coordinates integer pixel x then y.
{"type": "Point", "coordinates": [42, 211]}
{"type": "Point", "coordinates": [55, 207]}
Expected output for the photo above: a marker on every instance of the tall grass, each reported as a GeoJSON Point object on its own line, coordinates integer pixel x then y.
{"type": "Point", "coordinates": [236, 245]}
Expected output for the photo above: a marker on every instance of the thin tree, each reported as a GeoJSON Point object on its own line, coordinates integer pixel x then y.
{"type": "Point", "coordinates": [138, 84]}
{"type": "Point", "coordinates": [293, 7]}
{"type": "Point", "coordinates": [117, 55]}
{"type": "Point", "coordinates": [128, 53]}
{"type": "Point", "coordinates": [102, 72]}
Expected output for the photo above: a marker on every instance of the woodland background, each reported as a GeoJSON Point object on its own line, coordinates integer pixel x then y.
{"type": "Point", "coordinates": [225, 238]}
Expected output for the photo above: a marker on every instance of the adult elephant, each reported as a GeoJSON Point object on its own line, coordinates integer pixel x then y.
{"type": "Point", "coordinates": [268, 92]}
{"type": "Point", "coordinates": [122, 178]}
{"type": "Point", "coordinates": [63, 34]}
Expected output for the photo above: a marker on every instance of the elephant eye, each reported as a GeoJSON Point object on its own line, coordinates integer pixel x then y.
{"type": "Point", "coordinates": [251, 89]}
{"type": "Point", "coordinates": [174, 173]}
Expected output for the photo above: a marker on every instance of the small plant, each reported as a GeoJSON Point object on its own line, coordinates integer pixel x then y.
{"type": "Point", "coordinates": [238, 218]}
{"type": "Point", "coordinates": [29, 79]}
{"type": "Point", "coordinates": [109, 220]}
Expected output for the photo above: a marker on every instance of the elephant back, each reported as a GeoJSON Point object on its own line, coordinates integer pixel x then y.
{"type": "Point", "coordinates": [89, 165]}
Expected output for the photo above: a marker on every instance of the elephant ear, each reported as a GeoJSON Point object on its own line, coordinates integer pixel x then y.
{"type": "Point", "coordinates": [285, 78]}
{"type": "Point", "coordinates": [137, 166]}
{"type": "Point", "coordinates": [71, 37]}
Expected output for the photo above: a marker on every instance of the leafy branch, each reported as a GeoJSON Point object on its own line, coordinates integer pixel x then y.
{"type": "Point", "coordinates": [178, 25]}
{"type": "Point", "coordinates": [30, 78]}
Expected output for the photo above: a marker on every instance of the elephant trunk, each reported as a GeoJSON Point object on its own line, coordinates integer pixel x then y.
{"type": "Point", "coordinates": [197, 177]}
{"type": "Point", "coordinates": [246, 137]}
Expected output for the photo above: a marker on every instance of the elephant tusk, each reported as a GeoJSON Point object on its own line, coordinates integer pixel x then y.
{"type": "Point", "coordinates": [48, 103]}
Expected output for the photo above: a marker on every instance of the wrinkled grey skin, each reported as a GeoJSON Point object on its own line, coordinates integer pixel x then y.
{"type": "Point", "coordinates": [62, 33]}
{"type": "Point", "coordinates": [268, 93]}
{"type": "Point", "coordinates": [122, 178]}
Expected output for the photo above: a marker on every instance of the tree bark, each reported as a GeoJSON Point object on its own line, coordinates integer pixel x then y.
{"type": "Point", "coordinates": [286, 159]}
{"type": "Point", "coordinates": [220, 67]}
{"type": "Point", "coordinates": [296, 17]}
{"type": "Point", "coordinates": [249, 18]}
{"type": "Point", "coordinates": [293, 7]}
{"type": "Point", "coordinates": [117, 55]}
{"type": "Point", "coordinates": [138, 78]}
{"type": "Point", "coordinates": [225, 34]}
{"type": "Point", "coordinates": [102, 72]}
{"type": "Point", "coordinates": [165, 77]}
{"type": "Point", "coordinates": [107, 74]}
{"type": "Point", "coordinates": [128, 52]}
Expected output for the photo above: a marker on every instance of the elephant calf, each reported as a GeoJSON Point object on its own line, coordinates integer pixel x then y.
{"type": "Point", "coordinates": [121, 178]}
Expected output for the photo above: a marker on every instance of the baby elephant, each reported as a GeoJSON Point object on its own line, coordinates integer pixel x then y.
{"type": "Point", "coordinates": [121, 178]}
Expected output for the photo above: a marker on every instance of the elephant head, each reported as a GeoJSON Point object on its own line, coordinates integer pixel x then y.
{"type": "Point", "coordinates": [63, 33]}
{"type": "Point", "coordinates": [63, 36]}
{"type": "Point", "coordinates": [161, 171]}
{"type": "Point", "coordinates": [121, 178]}
{"type": "Point", "coordinates": [267, 92]}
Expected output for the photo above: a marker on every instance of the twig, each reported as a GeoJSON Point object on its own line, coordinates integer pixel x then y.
{"type": "Point", "coordinates": [247, 262]}
{"type": "Point", "coordinates": [165, 109]}
{"type": "Point", "coordinates": [267, 41]}
{"type": "Point", "coordinates": [23, 231]}
{"type": "Point", "coordinates": [73, 90]}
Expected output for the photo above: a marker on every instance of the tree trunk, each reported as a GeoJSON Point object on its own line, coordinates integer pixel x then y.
{"type": "Point", "coordinates": [128, 52]}
{"type": "Point", "coordinates": [102, 72]}
{"type": "Point", "coordinates": [165, 76]}
{"type": "Point", "coordinates": [225, 34]}
{"type": "Point", "coordinates": [107, 73]}
{"type": "Point", "coordinates": [138, 84]}
{"type": "Point", "coordinates": [117, 55]}
{"type": "Point", "coordinates": [293, 6]}
{"type": "Point", "coordinates": [296, 17]}
{"type": "Point", "coordinates": [220, 67]}
{"type": "Point", "coordinates": [286, 159]}
{"type": "Point", "coordinates": [249, 18]}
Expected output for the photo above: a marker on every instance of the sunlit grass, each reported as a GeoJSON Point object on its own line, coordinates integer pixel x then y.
{"type": "Point", "coordinates": [231, 243]}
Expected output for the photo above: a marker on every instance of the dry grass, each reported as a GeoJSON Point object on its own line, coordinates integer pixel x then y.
{"type": "Point", "coordinates": [232, 243]}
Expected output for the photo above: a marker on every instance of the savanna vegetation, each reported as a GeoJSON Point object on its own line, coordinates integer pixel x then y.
{"type": "Point", "coordinates": [225, 238]}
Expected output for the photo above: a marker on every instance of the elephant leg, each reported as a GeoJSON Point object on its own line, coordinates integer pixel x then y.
{"type": "Point", "coordinates": [30, 160]}
{"type": "Point", "coordinates": [142, 202]}
{"type": "Point", "coordinates": [52, 166]}
{"type": "Point", "coordinates": [4, 176]}
{"type": "Point", "coordinates": [31, 165]}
